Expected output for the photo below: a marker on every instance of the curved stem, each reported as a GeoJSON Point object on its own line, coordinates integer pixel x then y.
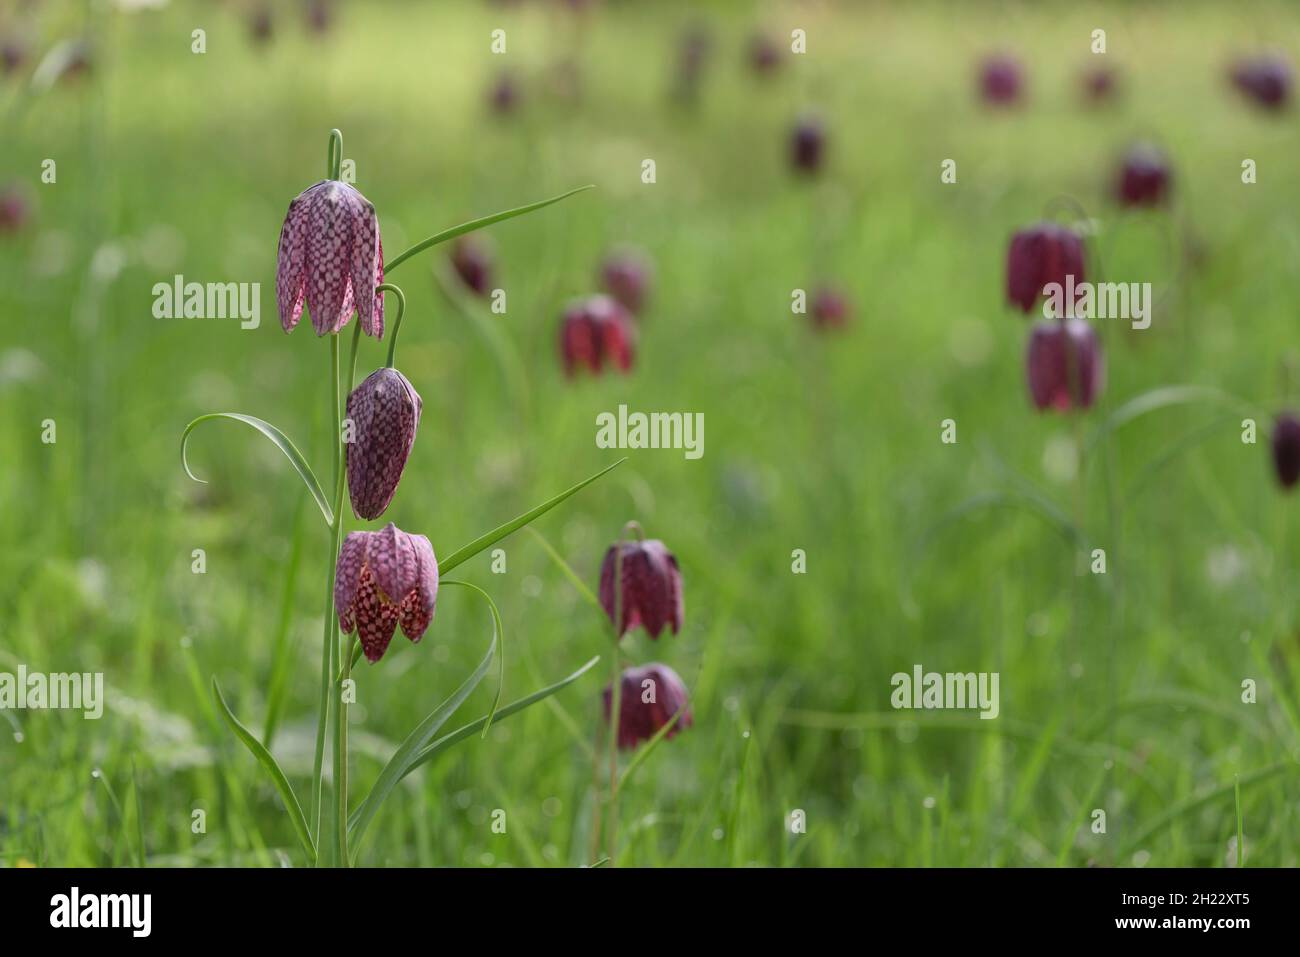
{"type": "Point", "coordinates": [397, 323]}
{"type": "Point", "coordinates": [334, 156]}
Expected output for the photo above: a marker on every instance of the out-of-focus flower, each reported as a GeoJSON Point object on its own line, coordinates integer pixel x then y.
{"type": "Point", "coordinates": [260, 25]}
{"type": "Point", "coordinates": [1064, 365]}
{"type": "Point", "coordinates": [808, 144]}
{"type": "Point", "coordinates": [830, 308]}
{"type": "Point", "coordinates": [626, 274]}
{"type": "Point", "coordinates": [649, 697]}
{"type": "Point", "coordinates": [503, 95]}
{"type": "Point", "coordinates": [1001, 80]}
{"type": "Point", "coordinates": [1264, 79]}
{"type": "Point", "coordinates": [66, 60]}
{"type": "Point", "coordinates": [765, 54]}
{"type": "Point", "coordinates": [384, 579]}
{"type": "Point", "coordinates": [1041, 254]}
{"type": "Point", "coordinates": [595, 331]}
{"type": "Point", "coordinates": [332, 258]}
{"type": "Point", "coordinates": [1143, 178]}
{"type": "Point", "coordinates": [385, 412]}
{"type": "Point", "coordinates": [1099, 83]}
{"type": "Point", "coordinates": [13, 54]}
{"type": "Point", "coordinates": [695, 48]}
{"type": "Point", "coordinates": [15, 210]}
{"type": "Point", "coordinates": [319, 15]}
{"type": "Point", "coordinates": [651, 593]}
{"type": "Point", "coordinates": [1286, 449]}
{"type": "Point", "coordinates": [473, 261]}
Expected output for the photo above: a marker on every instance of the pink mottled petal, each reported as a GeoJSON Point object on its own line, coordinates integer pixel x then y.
{"type": "Point", "coordinates": [347, 574]}
{"type": "Point", "coordinates": [289, 275]}
{"type": "Point", "coordinates": [392, 560]}
{"type": "Point", "coordinates": [330, 237]}
{"type": "Point", "coordinates": [376, 618]}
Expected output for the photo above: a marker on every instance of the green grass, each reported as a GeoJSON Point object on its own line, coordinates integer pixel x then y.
{"type": "Point", "coordinates": [1119, 691]}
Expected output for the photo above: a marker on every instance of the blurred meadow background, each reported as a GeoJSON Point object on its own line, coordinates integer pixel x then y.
{"type": "Point", "coordinates": [1120, 692]}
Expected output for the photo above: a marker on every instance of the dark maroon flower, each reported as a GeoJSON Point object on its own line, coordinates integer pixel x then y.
{"type": "Point", "coordinates": [1143, 178]}
{"type": "Point", "coordinates": [1264, 79]}
{"type": "Point", "coordinates": [1064, 365]}
{"type": "Point", "coordinates": [626, 275]}
{"type": "Point", "coordinates": [472, 260]}
{"type": "Point", "coordinates": [384, 579]}
{"type": "Point", "coordinates": [1041, 254]}
{"type": "Point", "coordinates": [320, 16]}
{"type": "Point", "coordinates": [649, 697]}
{"type": "Point", "coordinates": [652, 587]}
{"type": "Point", "coordinates": [1001, 80]}
{"type": "Point", "coordinates": [385, 412]}
{"type": "Point", "coordinates": [808, 144]}
{"type": "Point", "coordinates": [830, 309]}
{"type": "Point", "coordinates": [260, 26]}
{"type": "Point", "coordinates": [596, 330]}
{"type": "Point", "coordinates": [332, 258]}
{"type": "Point", "coordinates": [14, 209]}
{"type": "Point", "coordinates": [503, 96]}
{"type": "Point", "coordinates": [13, 54]}
{"type": "Point", "coordinates": [764, 53]}
{"type": "Point", "coordinates": [1098, 83]}
{"type": "Point", "coordinates": [1286, 449]}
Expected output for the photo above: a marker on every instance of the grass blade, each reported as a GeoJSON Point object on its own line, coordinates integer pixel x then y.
{"type": "Point", "coordinates": [501, 652]}
{"type": "Point", "coordinates": [408, 751]}
{"type": "Point", "coordinates": [277, 776]}
{"type": "Point", "coordinates": [282, 442]}
{"type": "Point", "coordinates": [642, 753]}
{"type": "Point", "coordinates": [569, 573]}
{"type": "Point", "coordinates": [474, 224]}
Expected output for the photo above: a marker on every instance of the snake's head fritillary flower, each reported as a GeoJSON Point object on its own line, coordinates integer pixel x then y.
{"type": "Point", "coordinates": [331, 258]}
{"type": "Point", "coordinates": [830, 309]}
{"type": "Point", "coordinates": [649, 697]}
{"type": "Point", "coordinates": [651, 592]}
{"type": "Point", "coordinates": [385, 579]}
{"type": "Point", "coordinates": [13, 54]}
{"type": "Point", "coordinates": [503, 95]}
{"type": "Point", "coordinates": [596, 331]}
{"type": "Point", "coordinates": [472, 260]}
{"type": "Point", "coordinates": [385, 412]}
{"type": "Point", "coordinates": [1266, 80]}
{"type": "Point", "coordinates": [808, 144]}
{"type": "Point", "coordinates": [1001, 80]}
{"type": "Point", "coordinates": [1143, 178]}
{"type": "Point", "coordinates": [1286, 449]}
{"type": "Point", "coordinates": [260, 26]}
{"type": "Point", "coordinates": [15, 211]}
{"type": "Point", "coordinates": [320, 16]}
{"type": "Point", "coordinates": [764, 53]}
{"type": "Point", "coordinates": [1064, 365]}
{"type": "Point", "coordinates": [626, 275]}
{"type": "Point", "coordinates": [1041, 254]}
{"type": "Point", "coordinates": [1098, 84]}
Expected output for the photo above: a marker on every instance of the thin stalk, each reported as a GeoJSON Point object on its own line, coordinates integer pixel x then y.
{"type": "Point", "coordinates": [397, 323]}
{"type": "Point", "coordinates": [615, 709]}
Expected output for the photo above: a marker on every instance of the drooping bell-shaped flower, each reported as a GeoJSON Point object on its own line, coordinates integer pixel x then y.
{"type": "Point", "coordinates": [808, 144]}
{"type": "Point", "coordinates": [1143, 178]}
{"type": "Point", "coordinates": [15, 211]}
{"type": "Point", "coordinates": [1001, 80]}
{"type": "Point", "coordinates": [1286, 449]}
{"type": "Point", "coordinates": [503, 94]}
{"type": "Point", "coordinates": [384, 412]}
{"type": "Point", "coordinates": [385, 579]}
{"type": "Point", "coordinates": [331, 258]}
{"type": "Point", "coordinates": [830, 309]}
{"type": "Point", "coordinates": [1266, 80]}
{"type": "Point", "coordinates": [596, 331]}
{"type": "Point", "coordinates": [765, 53]}
{"type": "Point", "coordinates": [651, 592]}
{"type": "Point", "coordinates": [1098, 83]}
{"type": "Point", "coordinates": [626, 275]}
{"type": "Point", "coordinates": [1041, 254]}
{"type": "Point", "coordinates": [1064, 365]}
{"type": "Point", "coordinates": [472, 260]}
{"type": "Point", "coordinates": [649, 697]}
{"type": "Point", "coordinates": [13, 54]}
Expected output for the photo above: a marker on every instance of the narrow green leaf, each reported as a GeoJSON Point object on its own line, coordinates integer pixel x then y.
{"type": "Point", "coordinates": [281, 440]}
{"type": "Point", "coordinates": [408, 751]}
{"type": "Point", "coordinates": [474, 224]}
{"type": "Point", "coordinates": [500, 630]}
{"type": "Point", "coordinates": [277, 776]}
{"type": "Point", "coordinates": [466, 552]}
{"type": "Point", "coordinates": [569, 573]}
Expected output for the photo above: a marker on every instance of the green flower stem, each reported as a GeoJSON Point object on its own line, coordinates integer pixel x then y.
{"type": "Point", "coordinates": [334, 156]}
{"type": "Point", "coordinates": [397, 323]}
{"type": "Point", "coordinates": [615, 705]}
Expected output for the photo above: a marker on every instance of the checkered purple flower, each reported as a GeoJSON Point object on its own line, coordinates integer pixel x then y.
{"type": "Point", "coordinates": [649, 697]}
{"type": "Point", "coordinates": [385, 579]}
{"type": "Point", "coordinates": [651, 593]}
{"type": "Point", "coordinates": [385, 412]}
